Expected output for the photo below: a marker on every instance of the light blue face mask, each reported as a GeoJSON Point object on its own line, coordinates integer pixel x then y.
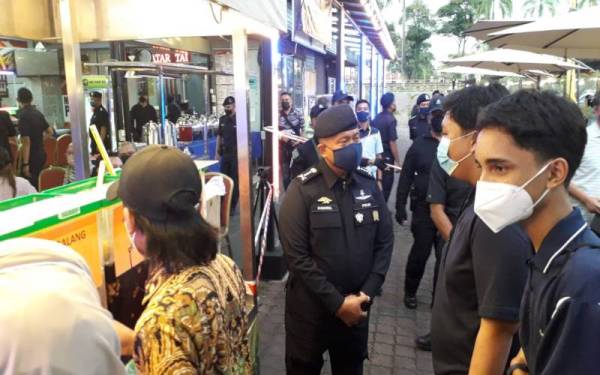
{"type": "Point", "coordinates": [447, 164]}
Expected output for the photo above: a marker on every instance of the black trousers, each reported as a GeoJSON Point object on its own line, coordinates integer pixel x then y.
{"type": "Point", "coordinates": [425, 234]}
{"type": "Point", "coordinates": [310, 332]}
{"type": "Point", "coordinates": [387, 180]}
{"type": "Point", "coordinates": [229, 167]}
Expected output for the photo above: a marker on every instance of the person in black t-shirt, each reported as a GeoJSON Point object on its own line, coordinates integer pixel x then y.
{"type": "Point", "coordinates": [386, 123]}
{"type": "Point", "coordinates": [8, 134]}
{"type": "Point", "coordinates": [141, 114]}
{"type": "Point", "coordinates": [32, 127]}
{"type": "Point", "coordinates": [101, 119]}
{"type": "Point", "coordinates": [482, 274]}
{"type": "Point", "coordinates": [227, 147]}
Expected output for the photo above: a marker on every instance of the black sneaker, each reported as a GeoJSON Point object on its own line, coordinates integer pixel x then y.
{"type": "Point", "coordinates": [410, 301]}
{"type": "Point", "coordinates": [424, 342]}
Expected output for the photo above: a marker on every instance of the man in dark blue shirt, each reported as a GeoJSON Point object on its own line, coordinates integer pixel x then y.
{"type": "Point", "coordinates": [386, 123]}
{"type": "Point", "coordinates": [414, 180]}
{"type": "Point", "coordinates": [418, 125]}
{"type": "Point", "coordinates": [529, 146]}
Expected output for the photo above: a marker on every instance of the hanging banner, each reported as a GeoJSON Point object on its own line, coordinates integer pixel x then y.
{"type": "Point", "coordinates": [93, 82]}
{"type": "Point", "coordinates": [316, 19]}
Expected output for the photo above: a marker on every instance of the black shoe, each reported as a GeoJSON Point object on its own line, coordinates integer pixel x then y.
{"type": "Point", "coordinates": [424, 342]}
{"type": "Point", "coordinates": [410, 301]}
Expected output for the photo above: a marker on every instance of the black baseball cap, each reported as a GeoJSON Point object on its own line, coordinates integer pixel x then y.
{"type": "Point", "coordinates": [229, 100]}
{"type": "Point", "coordinates": [436, 104]}
{"type": "Point", "coordinates": [335, 120]}
{"type": "Point", "coordinates": [96, 94]}
{"type": "Point", "coordinates": [160, 183]}
{"type": "Point", "coordinates": [341, 95]}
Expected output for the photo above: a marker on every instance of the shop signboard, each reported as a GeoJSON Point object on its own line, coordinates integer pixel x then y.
{"type": "Point", "coordinates": [7, 62]}
{"type": "Point", "coordinates": [162, 55]}
{"type": "Point", "coordinates": [316, 19]}
{"type": "Point", "coordinates": [95, 82]}
{"type": "Point", "coordinates": [3, 86]}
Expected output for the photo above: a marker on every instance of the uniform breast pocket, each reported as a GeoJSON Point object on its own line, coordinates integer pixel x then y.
{"type": "Point", "coordinates": [366, 214]}
{"type": "Point", "coordinates": [325, 217]}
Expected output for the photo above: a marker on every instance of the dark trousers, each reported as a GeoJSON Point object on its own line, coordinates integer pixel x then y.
{"type": "Point", "coordinates": [310, 332]}
{"type": "Point", "coordinates": [229, 167]}
{"type": "Point", "coordinates": [387, 180]}
{"type": "Point", "coordinates": [440, 244]}
{"type": "Point", "coordinates": [424, 233]}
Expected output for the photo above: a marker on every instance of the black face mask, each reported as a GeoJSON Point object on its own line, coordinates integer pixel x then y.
{"type": "Point", "coordinates": [285, 106]}
{"type": "Point", "coordinates": [228, 112]}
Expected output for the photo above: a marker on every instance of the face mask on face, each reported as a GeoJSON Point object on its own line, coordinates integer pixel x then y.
{"type": "Point", "coordinates": [436, 124]}
{"type": "Point", "coordinates": [92, 104]}
{"type": "Point", "coordinates": [285, 106]}
{"type": "Point", "coordinates": [348, 158]}
{"type": "Point", "coordinates": [499, 205]}
{"type": "Point", "coordinates": [362, 116]}
{"type": "Point", "coordinates": [423, 112]}
{"type": "Point", "coordinates": [447, 164]}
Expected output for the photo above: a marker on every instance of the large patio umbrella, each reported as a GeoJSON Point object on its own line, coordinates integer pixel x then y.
{"type": "Point", "coordinates": [573, 35]}
{"type": "Point", "coordinates": [477, 71]}
{"type": "Point", "coordinates": [481, 29]}
{"type": "Point", "coordinates": [516, 61]}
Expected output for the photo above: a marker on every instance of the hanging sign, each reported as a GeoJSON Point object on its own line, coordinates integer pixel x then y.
{"type": "Point", "coordinates": [95, 82]}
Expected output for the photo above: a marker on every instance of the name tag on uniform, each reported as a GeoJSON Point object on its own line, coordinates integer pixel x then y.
{"type": "Point", "coordinates": [375, 215]}
{"type": "Point", "coordinates": [366, 205]}
{"type": "Point", "coordinates": [324, 208]}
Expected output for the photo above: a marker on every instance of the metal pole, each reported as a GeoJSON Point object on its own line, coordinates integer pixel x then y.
{"type": "Point", "coordinates": [382, 75]}
{"type": "Point", "coordinates": [372, 83]}
{"type": "Point", "coordinates": [341, 52]}
{"type": "Point", "coordinates": [163, 108]}
{"type": "Point", "coordinates": [377, 85]}
{"type": "Point", "coordinates": [275, 115]}
{"type": "Point", "coordinates": [240, 84]}
{"type": "Point", "coordinates": [402, 66]}
{"type": "Point", "coordinates": [361, 65]}
{"type": "Point", "coordinates": [72, 56]}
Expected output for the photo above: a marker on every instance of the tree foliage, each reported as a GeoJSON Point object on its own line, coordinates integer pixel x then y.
{"type": "Point", "coordinates": [540, 8]}
{"type": "Point", "coordinates": [455, 18]}
{"type": "Point", "coordinates": [418, 56]}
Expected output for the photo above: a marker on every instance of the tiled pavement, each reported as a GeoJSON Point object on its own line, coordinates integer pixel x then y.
{"type": "Point", "coordinates": [393, 327]}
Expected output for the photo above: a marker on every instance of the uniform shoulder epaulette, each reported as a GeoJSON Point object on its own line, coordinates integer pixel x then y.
{"type": "Point", "coordinates": [308, 175]}
{"type": "Point", "coordinates": [364, 172]}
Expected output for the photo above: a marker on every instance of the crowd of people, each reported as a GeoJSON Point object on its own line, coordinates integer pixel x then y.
{"type": "Point", "coordinates": [490, 179]}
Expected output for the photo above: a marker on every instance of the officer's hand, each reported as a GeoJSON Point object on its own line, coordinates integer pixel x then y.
{"type": "Point", "coordinates": [380, 163]}
{"type": "Point", "coordinates": [519, 359]}
{"type": "Point", "coordinates": [401, 216]}
{"type": "Point", "coordinates": [351, 312]}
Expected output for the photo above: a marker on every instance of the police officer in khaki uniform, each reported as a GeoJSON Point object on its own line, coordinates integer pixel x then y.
{"type": "Point", "coordinates": [337, 237]}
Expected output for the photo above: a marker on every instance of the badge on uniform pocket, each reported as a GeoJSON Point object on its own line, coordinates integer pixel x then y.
{"type": "Point", "coordinates": [359, 217]}
{"type": "Point", "coordinates": [375, 215]}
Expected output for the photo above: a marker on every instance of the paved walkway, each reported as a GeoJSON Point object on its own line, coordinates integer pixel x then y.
{"type": "Point", "coordinates": [393, 327]}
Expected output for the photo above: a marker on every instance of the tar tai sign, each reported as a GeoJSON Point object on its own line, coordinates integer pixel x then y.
{"type": "Point", "coordinates": [162, 55]}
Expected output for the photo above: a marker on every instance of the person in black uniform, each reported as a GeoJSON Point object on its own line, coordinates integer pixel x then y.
{"type": "Point", "coordinates": [529, 146]}
{"type": "Point", "coordinates": [414, 180]}
{"type": "Point", "coordinates": [446, 196]}
{"type": "Point", "coordinates": [386, 123]}
{"type": "Point", "coordinates": [8, 134]}
{"type": "Point", "coordinates": [418, 125]}
{"type": "Point", "coordinates": [100, 118]}
{"type": "Point", "coordinates": [307, 151]}
{"type": "Point", "coordinates": [227, 147]}
{"type": "Point", "coordinates": [337, 238]}
{"type": "Point", "coordinates": [32, 128]}
{"type": "Point", "coordinates": [141, 114]}
{"type": "Point", "coordinates": [482, 274]}
{"type": "Point", "coordinates": [173, 109]}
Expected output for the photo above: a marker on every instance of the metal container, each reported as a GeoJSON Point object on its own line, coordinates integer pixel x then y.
{"type": "Point", "coordinates": [151, 133]}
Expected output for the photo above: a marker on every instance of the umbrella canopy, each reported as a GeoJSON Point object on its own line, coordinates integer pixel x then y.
{"type": "Point", "coordinates": [515, 61]}
{"type": "Point", "coordinates": [574, 35]}
{"type": "Point", "coordinates": [481, 29]}
{"type": "Point", "coordinates": [477, 71]}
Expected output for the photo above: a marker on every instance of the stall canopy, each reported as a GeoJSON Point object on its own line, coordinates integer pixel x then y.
{"type": "Point", "coordinates": [477, 71]}
{"type": "Point", "coordinates": [366, 15]}
{"type": "Point", "coordinates": [573, 35]}
{"type": "Point", "coordinates": [516, 61]}
{"type": "Point", "coordinates": [481, 29]}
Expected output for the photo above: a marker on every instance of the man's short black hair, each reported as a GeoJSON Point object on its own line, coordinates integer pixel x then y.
{"type": "Point", "coordinates": [464, 105]}
{"type": "Point", "coordinates": [24, 95]}
{"type": "Point", "coordinates": [360, 102]}
{"type": "Point", "coordinates": [540, 122]}
{"type": "Point", "coordinates": [284, 93]}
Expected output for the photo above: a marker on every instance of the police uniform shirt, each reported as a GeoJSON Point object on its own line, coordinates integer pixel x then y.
{"type": "Point", "coordinates": [418, 127]}
{"type": "Point", "coordinates": [228, 132]}
{"type": "Point", "coordinates": [447, 190]}
{"type": "Point", "coordinates": [337, 238]}
{"type": "Point", "coordinates": [560, 315]}
{"type": "Point", "coordinates": [416, 169]}
{"type": "Point", "coordinates": [101, 119]}
{"type": "Point", "coordinates": [386, 123]}
{"type": "Point", "coordinates": [482, 275]}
